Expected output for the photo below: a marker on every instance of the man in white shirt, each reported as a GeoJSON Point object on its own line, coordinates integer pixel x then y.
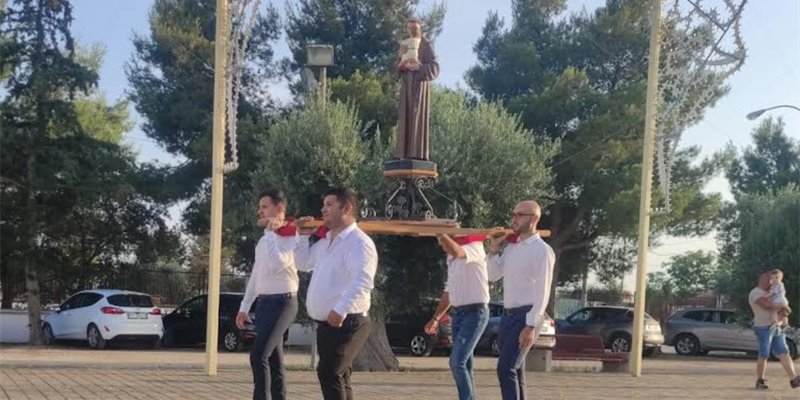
{"type": "Point", "coordinates": [467, 291]}
{"type": "Point", "coordinates": [771, 338]}
{"type": "Point", "coordinates": [273, 281]}
{"type": "Point", "coordinates": [526, 267]}
{"type": "Point", "coordinates": [343, 264]}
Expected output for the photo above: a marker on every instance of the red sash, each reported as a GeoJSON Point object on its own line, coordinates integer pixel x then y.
{"type": "Point", "coordinates": [464, 240]}
{"type": "Point", "coordinates": [289, 229]}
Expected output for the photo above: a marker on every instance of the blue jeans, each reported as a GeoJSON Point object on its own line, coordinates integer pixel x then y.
{"type": "Point", "coordinates": [274, 315]}
{"type": "Point", "coordinates": [511, 363]}
{"type": "Point", "coordinates": [468, 326]}
{"type": "Point", "coordinates": [770, 338]}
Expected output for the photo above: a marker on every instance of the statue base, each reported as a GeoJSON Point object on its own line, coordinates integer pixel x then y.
{"type": "Point", "coordinates": [410, 183]}
{"type": "Point", "coordinates": [410, 168]}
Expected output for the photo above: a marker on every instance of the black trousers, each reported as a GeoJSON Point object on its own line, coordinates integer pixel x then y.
{"type": "Point", "coordinates": [274, 315]}
{"type": "Point", "coordinates": [338, 348]}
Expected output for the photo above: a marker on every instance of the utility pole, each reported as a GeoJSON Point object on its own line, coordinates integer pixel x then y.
{"type": "Point", "coordinates": [647, 182]}
{"type": "Point", "coordinates": [217, 164]}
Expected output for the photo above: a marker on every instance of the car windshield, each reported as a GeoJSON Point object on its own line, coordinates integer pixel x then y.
{"type": "Point", "coordinates": [130, 300]}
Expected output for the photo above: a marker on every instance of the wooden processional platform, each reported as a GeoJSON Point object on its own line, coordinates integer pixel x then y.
{"type": "Point", "coordinates": [408, 211]}
{"type": "Point", "coordinates": [427, 228]}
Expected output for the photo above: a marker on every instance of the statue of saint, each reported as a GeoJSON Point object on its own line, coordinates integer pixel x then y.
{"type": "Point", "coordinates": [418, 66]}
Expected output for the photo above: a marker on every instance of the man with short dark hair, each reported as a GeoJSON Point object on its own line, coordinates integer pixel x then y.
{"type": "Point", "coordinates": [344, 264]}
{"type": "Point", "coordinates": [771, 339]}
{"type": "Point", "coordinates": [273, 281]}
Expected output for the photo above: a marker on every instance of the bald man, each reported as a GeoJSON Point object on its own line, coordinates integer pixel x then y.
{"type": "Point", "coordinates": [526, 267]}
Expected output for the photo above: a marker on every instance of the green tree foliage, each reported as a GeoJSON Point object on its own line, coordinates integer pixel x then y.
{"type": "Point", "coordinates": [172, 86]}
{"type": "Point", "coordinates": [764, 235]}
{"type": "Point", "coordinates": [772, 163]}
{"type": "Point", "coordinates": [315, 147]}
{"type": "Point", "coordinates": [692, 273]}
{"type": "Point", "coordinates": [364, 33]}
{"type": "Point", "coordinates": [74, 204]}
{"type": "Point", "coordinates": [761, 229]}
{"type": "Point", "coordinates": [374, 98]}
{"type": "Point", "coordinates": [581, 79]}
{"type": "Point", "coordinates": [38, 119]}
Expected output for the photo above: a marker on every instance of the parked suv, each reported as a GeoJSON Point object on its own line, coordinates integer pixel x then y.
{"type": "Point", "coordinates": [100, 316]}
{"type": "Point", "coordinates": [614, 325]}
{"type": "Point", "coordinates": [186, 325]}
{"type": "Point", "coordinates": [697, 331]}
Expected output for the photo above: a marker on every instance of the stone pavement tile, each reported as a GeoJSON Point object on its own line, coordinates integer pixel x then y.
{"type": "Point", "coordinates": [665, 380]}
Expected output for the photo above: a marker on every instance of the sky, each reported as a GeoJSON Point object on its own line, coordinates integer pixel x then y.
{"type": "Point", "coordinates": [770, 76]}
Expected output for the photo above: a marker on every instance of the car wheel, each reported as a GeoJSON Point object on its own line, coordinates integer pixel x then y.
{"type": "Point", "coordinates": [94, 338]}
{"type": "Point", "coordinates": [620, 343]}
{"type": "Point", "coordinates": [156, 343]}
{"type": "Point", "coordinates": [495, 346]}
{"type": "Point", "coordinates": [231, 341]}
{"type": "Point", "coordinates": [687, 345]}
{"type": "Point", "coordinates": [47, 335]}
{"type": "Point", "coordinates": [421, 345]}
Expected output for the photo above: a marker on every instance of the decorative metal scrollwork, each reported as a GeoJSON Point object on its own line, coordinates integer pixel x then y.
{"type": "Point", "coordinates": [409, 199]}
{"type": "Point", "coordinates": [366, 210]}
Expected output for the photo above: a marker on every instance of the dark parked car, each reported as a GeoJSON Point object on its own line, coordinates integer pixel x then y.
{"type": "Point", "coordinates": [186, 325]}
{"type": "Point", "coordinates": [696, 331]}
{"type": "Point", "coordinates": [407, 331]}
{"type": "Point", "coordinates": [488, 341]}
{"type": "Point", "coordinates": [614, 325]}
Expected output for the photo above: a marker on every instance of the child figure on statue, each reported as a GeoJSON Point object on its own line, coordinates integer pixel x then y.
{"type": "Point", "coordinates": [409, 51]}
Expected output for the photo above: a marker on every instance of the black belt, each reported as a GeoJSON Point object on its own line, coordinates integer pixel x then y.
{"type": "Point", "coordinates": [278, 296]}
{"type": "Point", "coordinates": [518, 310]}
{"type": "Point", "coordinates": [469, 307]}
{"type": "Point", "coordinates": [348, 316]}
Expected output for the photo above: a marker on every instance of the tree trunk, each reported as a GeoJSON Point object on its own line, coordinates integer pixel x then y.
{"type": "Point", "coordinates": [585, 287]}
{"type": "Point", "coordinates": [376, 355]}
{"type": "Point", "coordinates": [7, 285]}
{"type": "Point", "coordinates": [31, 277]}
{"type": "Point", "coordinates": [29, 222]}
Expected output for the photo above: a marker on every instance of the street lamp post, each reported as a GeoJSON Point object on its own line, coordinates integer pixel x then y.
{"type": "Point", "coordinates": [319, 57]}
{"type": "Point", "coordinates": [755, 114]}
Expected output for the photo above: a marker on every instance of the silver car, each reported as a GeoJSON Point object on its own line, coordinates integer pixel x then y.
{"type": "Point", "coordinates": [696, 331]}
{"type": "Point", "coordinates": [614, 325]}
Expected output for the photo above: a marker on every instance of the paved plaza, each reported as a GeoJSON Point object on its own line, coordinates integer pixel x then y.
{"type": "Point", "coordinates": [130, 374]}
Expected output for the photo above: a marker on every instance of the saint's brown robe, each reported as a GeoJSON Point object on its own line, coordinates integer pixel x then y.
{"type": "Point", "coordinates": [414, 105]}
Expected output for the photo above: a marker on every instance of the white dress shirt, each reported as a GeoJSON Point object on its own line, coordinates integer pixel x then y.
{"type": "Point", "coordinates": [344, 272]}
{"type": "Point", "coordinates": [274, 271]}
{"type": "Point", "coordinates": [527, 271]}
{"type": "Point", "coordinates": [467, 281]}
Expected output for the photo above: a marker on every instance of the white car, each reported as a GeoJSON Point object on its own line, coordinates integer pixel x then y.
{"type": "Point", "coordinates": [99, 316]}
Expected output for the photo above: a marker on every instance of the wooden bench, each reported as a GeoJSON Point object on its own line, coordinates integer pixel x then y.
{"type": "Point", "coordinates": [589, 348]}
